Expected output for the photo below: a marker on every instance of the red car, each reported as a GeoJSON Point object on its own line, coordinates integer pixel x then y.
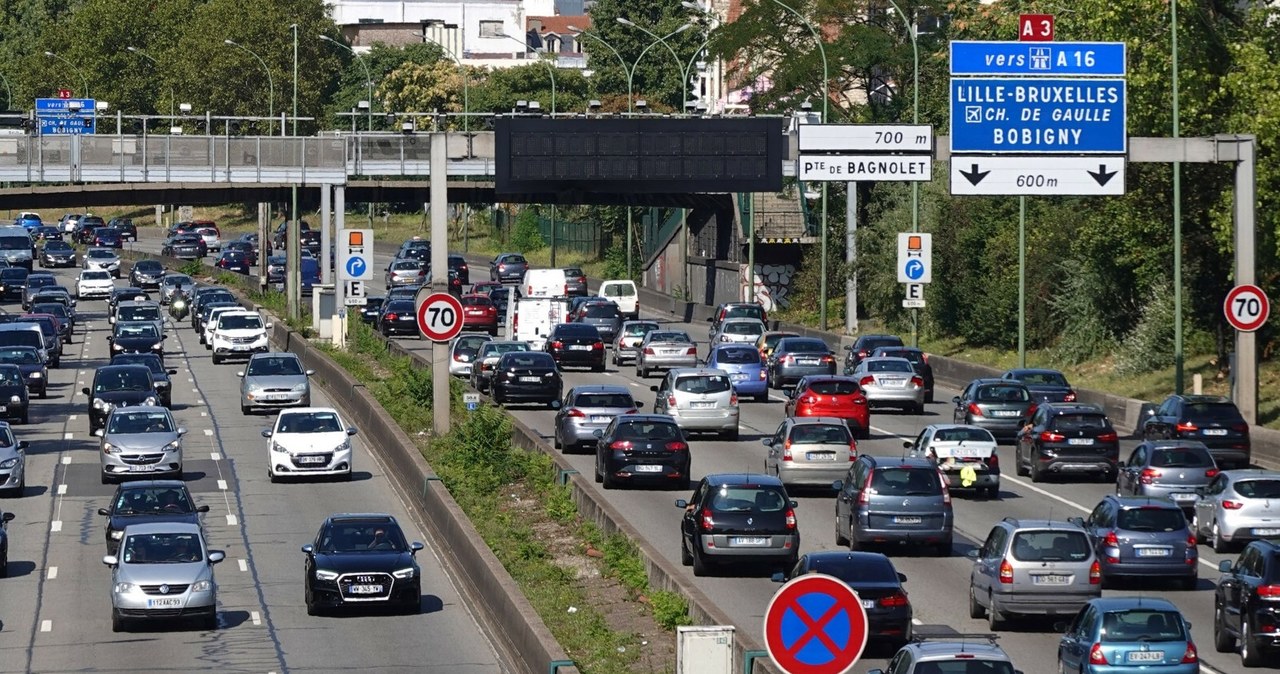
{"type": "Point", "coordinates": [832, 396]}
{"type": "Point", "coordinates": [479, 313]}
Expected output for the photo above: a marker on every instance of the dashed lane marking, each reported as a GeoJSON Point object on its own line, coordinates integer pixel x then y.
{"type": "Point", "coordinates": [46, 625]}
{"type": "Point", "coordinates": [232, 520]}
{"type": "Point", "coordinates": [208, 432]}
{"type": "Point", "coordinates": [62, 489]}
{"type": "Point", "coordinates": [68, 436]}
{"type": "Point", "coordinates": [55, 526]}
{"type": "Point", "coordinates": [255, 617]}
{"type": "Point", "coordinates": [222, 484]}
{"type": "Point", "coordinates": [66, 460]}
{"type": "Point", "coordinates": [73, 417]}
{"type": "Point", "coordinates": [215, 456]}
{"type": "Point", "coordinates": [52, 573]}
{"type": "Point", "coordinates": [244, 564]}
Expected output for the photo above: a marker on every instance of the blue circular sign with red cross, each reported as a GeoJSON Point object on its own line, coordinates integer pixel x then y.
{"type": "Point", "coordinates": [815, 624]}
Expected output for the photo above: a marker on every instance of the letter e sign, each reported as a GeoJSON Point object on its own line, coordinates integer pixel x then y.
{"type": "Point", "coordinates": [1035, 27]}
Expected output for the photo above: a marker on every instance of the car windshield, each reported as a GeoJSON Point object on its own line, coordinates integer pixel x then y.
{"type": "Point", "coordinates": [129, 423]}
{"type": "Point", "coordinates": [19, 356]}
{"type": "Point", "coordinates": [151, 360]}
{"type": "Point", "coordinates": [206, 232]}
{"type": "Point", "coordinates": [1050, 546]}
{"type": "Point", "coordinates": [240, 322]}
{"type": "Point", "coordinates": [141, 330]}
{"type": "Point", "coordinates": [906, 481]}
{"type": "Point", "coordinates": [408, 265]}
{"type": "Point", "coordinates": [737, 356]}
{"type": "Point", "coordinates": [362, 537]}
{"type": "Point", "coordinates": [59, 246]}
{"type": "Point", "coordinates": [95, 276]}
{"type": "Point", "coordinates": [15, 243]}
{"type": "Point", "coordinates": [1214, 411]}
{"type": "Point", "coordinates": [1151, 518]}
{"type": "Point", "coordinates": [803, 346]}
{"type": "Point", "coordinates": [100, 254]}
{"type": "Point", "coordinates": [1001, 393]}
{"type": "Point", "coordinates": [470, 343]}
{"type": "Point", "coordinates": [130, 379]}
{"type": "Point", "coordinates": [820, 434]}
{"type": "Point", "coordinates": [46, 325]}
{"type": "Point", "coordinates": [617, 289]}
{"type": "Point", "coordinates": [601, 311]}
{"type": "Point", "coordinates": [743, 328]}
{"type": "Point", "coordinates": [490, 349]}
{"type": "Point", "coordinates": [861, 570]}
{"type": "Point", "coordinates": [1139, 624]}
{"type": "Point", "coordinates": [34, 282]}
{"type": "Point", "coordinates": [890, 365]}
{"type": "Point", "coordinates": [151, 500]}
{"type": "Point", "coordinates": [873, 343]}
{"type": "Point", "coordinates": [669, 337]}
{"type": "Point", "coordinates": [513, 259]}
{"type": "Point", "coordinates": [830, 387]}
{"type": "Point", "coordinates": [576, 330]}
{"type": "Point", "coordinates": [477, 301]}
{"type": "Point", "coordinates": [603, 400]}
{"type": "Point", "coordinates": [400, 307]}
{"type": "Point", "coordinates": [639, 329]}
{"type": "Point", "coordinates": [1079, 422]}
{"type": "Point", "coordinates": [1181, 457]}
{"type": "Point", "coordinates": [745, 499]}
{"type": "Point", "coordinates": [162, 549]}
{"type": "Point", "coordinates": [13, 273]}
{"type": "Point", "coordinates": [745, 312]}
{"type": "Point", "coordinates": [174, 280]}
{"type": "Point", "coordinates": [56, 308]}
{"type": "Point", "coordinates": [11, 376]}
{"type": "Point", "coordinates": [138, 314]}
{"type": "Point", "coordinates": [963, 435]}
{"type": "Point", "coordinates": [1267, 489]}
{"type": "Point", "coordinates": [915, 357]}
{"type": "Point", "coordinates": [530, 359]}
{"type": "Point", "coordinates": [273, 366]}
{"type": "Point", "coordinates": [1042, 379]}
{"type": "Point", "coordinates": [309, 422]}
{"type": "Point", "coordinates": [573, 272]}
{"type": "Point", "coordinates": [703, 384]}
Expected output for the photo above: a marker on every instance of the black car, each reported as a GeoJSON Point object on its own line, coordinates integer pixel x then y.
{"type": "Point", "coordinates": [13, 282]}
{"type": "Point", "coordinates": [281, 235]}
{"type": "Point", "coordinates": [106, 237]}
{"type": "Point", "coordinates": [727, 310]}
{"type": "Point", "coordinates": [185, 247]}
{"type": "Point", "coordinates": [35, 282]}
{"type": "Point", "coordinates": [205, 296]}
{"type": "Point", "coordinates": [370, 310]}
{"type": "Point", "coordinates": [420, 253]}
{"type": "Point", "coordinates": [233, 260]}
{"type": "Point", "coordinates": [5, 519]}
{"type": "Point", "coordinates": [148, 502]}
{"type": "Point", "coordinates": [527, 377]}
{"type": "Point", "coordinates": [147, 274]}
{"type": "Point", "coordinates": [247, 247]}
{"type": "Point", "coordinates": [398, 317]}
{"type": "Point", "coordinates": [139, 337]}
{"type": "Point", "coordinates": [1068, 438]}
{"type": "Point", "coordinates": [458, 264]}
{"type": "Point", "coordinates": [57, 254]}
{"type": "Point", "coordinates": [361, 561]}
{"type": "Point", "coordinates": [125, 226]}
{"type": "Point", "coordinates": [877, 582]}
{"type": "Point", "coordinates": [1045, 385]}
{"type": "Point", "coordinates": [87, 227]}
{"type": "Point", "coordinates": [1213, 420]}
{"type": "Point", "coordinates": [1246, 613]}
{"type": "Point", "coordinates": [14, 401]}
{"type": "Point", "coordinates": [576, 344]}
{"type": "Point", "coordinates": [642, 448]}
{"type": "Point", "coordinates": [919, 362]}
{"type": "Point", "coordinates": [738, 517]}
{"type": "Point", "coordinates": [159, 375]}
{"type": "Point", "coordinates": [46, 233]}
{"type": "Point", "coordinates": [34, 370]}
{"type": "Point", "coordinates": [118, 386]}
{"type": "Point", "coordinates": [201, 319]}
{"type": "Point", "coordinates": [502, 299]}
{"type": "Point", "coordinates": [275, 269]}
{"type": "Point", "coordinates": [575, 282]}
{"type": "Point", "coordinates": [864, 346]}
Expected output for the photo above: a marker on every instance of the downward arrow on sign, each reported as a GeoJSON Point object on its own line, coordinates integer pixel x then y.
{"type": "Point", "coordinates": [1103, 176]}
{"type": "Point", "coordinates": [974, 175]}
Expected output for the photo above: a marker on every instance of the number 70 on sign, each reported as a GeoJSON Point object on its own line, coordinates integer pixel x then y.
{"type": "Point", "coordinates": [440, 317]}
{"type": "Point", "coordinates": [1246, 308]}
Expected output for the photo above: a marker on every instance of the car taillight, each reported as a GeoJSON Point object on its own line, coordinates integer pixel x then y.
{"type": "Point", "coordinates": [706, 521]}
{"type": "Point", "coordinates": [1111, 540]}
{"type": "Point", "coordinates": [866, 381]}
{"type": "Point", "coordinates": [677, 446]}
{"type": "Point", "coordinates": [1070, 397]}
{"type": "Point", "coordinates": [1187, 427]}
{"type": "Point", "coordinates": [791, 519]}
{"type": "Point", "coordinates": [864, 497]}
{"type": "Point", "coordinates": [975, 410]}
{"type": "Point", "coordinates": [1243, 428]}
{"type": "Point", "coordinates": [1050, 436]}
{"type": "Point", "coordinates": [1233, 505]}
{"type": "Point", "coordinates": [1191, 544]}
{"type": "Point", "coordinates": [671, 401]}
{"type": "Point", "coordinates": [853, 450]}
{"type": "Point", "coordinates": [575, 412]}
{"type": "Point", "coordinates": [1149, 474]}
{"type": "Point", "coordinates": [1189, 656]}
{"type": "Point", "coordinates": [917, 381]}
{"type": "Point", "coordinates": [1031, 410]}
{"type": "Point", "coordinates": [892, 601]}
{"type": "Point", "coordinates": [565, 291]}
{"type": "Point", "coordinates": [1006, 572]}
{"type": "Point", "coordinates": [808, 400]}
{"type": "Point", "coordinates": [993, 463]}
{"type": "Point", "coordinates": [786, 358]}
{"type": "Point", "coordinates": [1095, 573]}
{"type": "Point", "coordinates": [557, 344]}
{"type": "Point", "coordinates": [598, 346]}
{"type": "Point", "coordinates": [621, 444]}
{"type": "Point", "coordinates": [786, 450]}
{"type": "Point", "coordinates": [733, 399]}
{"type": "Point", "coordinates": [502, 267]}
{"type": "Point", "coordinates": [1269, 591]}
{"type": "Point", "coordinates": [863, 353]}
{"type": "Point", "coordinates": [946, 493]}
{"type": "Point", "coordinates": [1110, 436]}
{"type": "Point", "coordinates": [1096, 656]}
{"type": "Point", "coordinates": [648, 351]}
{"type": "Point", "coordinates": [828, 359]}
{"type": "Point", "coordinates": [692, 351]}
{"type": "Point", "coordinates": [763, 376]}
{"type": "Point", "coordinates": [391, 317]}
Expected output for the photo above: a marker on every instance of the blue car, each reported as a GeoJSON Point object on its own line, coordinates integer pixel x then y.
{"type": "Point", "coordinates": [310, 275]}
{"type": "Point", "coordinates": [1128, 635]}
{"type": "Point", "coordinates": [28, 220]}
{"type": "Point", "coordinates": [746, 370]}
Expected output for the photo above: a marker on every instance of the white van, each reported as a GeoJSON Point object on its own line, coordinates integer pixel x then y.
{"type": "Point", "coordinates": [531, 319]}
{"type": "Point", "coordinates": [623, 294]}
{"type": "Point", "coordinates": [544, 283]}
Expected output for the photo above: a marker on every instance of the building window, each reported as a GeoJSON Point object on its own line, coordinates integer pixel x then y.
{"type": "Point", "coordinates": [491, 29]}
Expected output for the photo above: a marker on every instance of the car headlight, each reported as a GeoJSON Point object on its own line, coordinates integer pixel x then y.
{"type": "Point", "coordinates": [405, 573]}
{"type": "Point", "coordinates": [117, 535]}
{"type": "Point", "coordinates": [344, 447]}
{"type": "Point", "coordinates": [117, 347]}
{"type": "Point", "coordinates": [100, 404]}
{"type": "Point", "coordinates": [121, 588]}
{"type": "Point", "coordinates": [321, 574]}
{"type": "Point", "coordinates": [277, 448]}
{"type": "Point", "coordinates": [202, 586]}
{"type": "Point", "coordinates": [108, 448]}
{"type": "Point", "coordinates": [157, 346]}
{"type": "Point", "coordinates": [173, 446]}
{"type": "Point", "coordinates": [151, 400]}
{"type": "Point", "coordinates": [9, 463]}
{"type": "Point", "coordinates": [255, 388]}
{"type": "Point", "coordinates": [15, 399]}
{"type": "Point", "coordinates": [300, 388]}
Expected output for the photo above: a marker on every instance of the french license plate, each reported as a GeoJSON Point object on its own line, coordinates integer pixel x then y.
{"type": "Point", "coordinates": [579, 347]}
{"type": "Point", "coordinates": [600, 418]}
{"type": "Point", "coordinates": [366, 589]}
{"type": "Point", "coordinates": [751, 540]}
{"type": "Point", "coordinates": [868, 603]}
{"type": "Point", "coordinates": [1155, 552]}
{"type": "Point", "coordinates": [531, 380]}
{"type": "Point", "coordinates": [140, 469]}
{"type": "Point", "coordinates": [1080, 441]}
{"type": "Point", "coordinates": [702, 405]}
{"type": "Point", "coordinates": [1145, 656]}
{"type": "Point", "coordinates": [1051, 579]}
{"type": "Point", "coordinates": [738, 376]}
{"type": "Point", "coordinates": [807, 361]}
{"type": "Point", "coordinates": [1266, 532]}
{"type": "Point", "coordinates": [1005, 413]}
{"type": "Point", "coordinates": [275, 396]}
{"type": "Point", "coordinates": [168, 602]}
{"type": "Point", "coordinates": [906, 520]}
{"type": "Point", "coordinates": [1183, 497]}
{"type": "Point", "coordinates": [1215, 431]}
{"type": "Point", "coordinates": [311, 459]}
{"type": "Point", "coordinates": [820, 456]}
{"type": "Point", "coordinates": [671, 352]}
{"type": "Point", "coordinates": [648, 469]}
{"type": "Point", "coordinates": [893, 383]}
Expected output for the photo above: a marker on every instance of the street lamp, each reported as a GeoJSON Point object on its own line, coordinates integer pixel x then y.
{"type": "Point", "coordinates": [684, 72]}
{"type": "Point", "coordinates": [367, 77]}
{"type": "Point", "coordinates": [271, 87]}
{"type": "Point", "coordinates": [550, 69]}
{"type": "Point", "coordinates": [294, 27]}
{"type": "Point", "coordinates": [83, 79]}
{"type": "Point", "coordinates": [172, 96]}
{"type": "Point", "coordinates": [915, 205]}
{"type": "Point", "coordinates": [718, 68]}
{"type": "Point", "coordinates": [462, 68]}
{"type": "Point", "coordinates": [1177, 213]}
{"type": "Point", "coordinates": [623, 62]}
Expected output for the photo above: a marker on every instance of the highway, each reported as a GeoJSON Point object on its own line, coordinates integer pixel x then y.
{"type": "Point", "coordinates": [938, 587]}
{"type": "Point", "coordinates": [56, 615]}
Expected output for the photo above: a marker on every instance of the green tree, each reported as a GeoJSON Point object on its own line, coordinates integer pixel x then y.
{"type": "Point", "coordinates": [501, 88]}
{"type": "Point", "coordinates": [382, 60]}
{"type": "Point", "coordinates": [658, 77]}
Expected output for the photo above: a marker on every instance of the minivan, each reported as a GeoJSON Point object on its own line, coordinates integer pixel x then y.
{"type": "Point", "coordinates": [27, 334]}
{"type": "Point", "coordinates": [16, 246]}
{"type": "Point", "coordinates": [544, 283]}
{"type": "Point", "coordinates": [625, 295]}
{"type": "Point", "coordinates": [893, 500]}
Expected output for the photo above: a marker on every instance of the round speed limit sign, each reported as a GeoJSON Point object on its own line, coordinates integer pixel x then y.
{"type": "Point", "coordinates": [440, 317]}
{"type": "Point", "coordinates": [1247, 308]}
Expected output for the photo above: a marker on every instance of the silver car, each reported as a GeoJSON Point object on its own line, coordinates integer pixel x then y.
{"type": "Point", "coordinates": [487, 359]}
{"type": "Point", "coordinates": [1238, 506]}
{"type": "Point", "coordinates": [700, 399]}
{"type": "Point", "coordinates": [105, 259]}
{"type": "Point", "coordinates": [405, 273]}
{"type": "Point", "coordinates": [272, 381]}
{"type": "Point", "coordinates": [463, 351]}
{"type": "Point", "coordinates": [587, 409]}
{"type": "Point", "coordinates": [1032, 567]}
{"type": "Point", "coordinates": [1170, 469]}
{"type": "Point", "coordinates": [738, 331]}
{"type": "Point", "coordinates": [13, 462]}
{"type": "Point", "coordinates": [891, 382]}
{"type": "Point", "coordinates": [140, 441]}
{"type": "Point", "coordinates": [626, 344]}
{"type": "Point", "coordinates": [139, 312]}
{"type": "Point", "coordinates": [810, 451]}
{"type": "Point", "coordinates": [163, 571]}
{"type": "Point", "coordinates": [171, 284]}
{"type": "Point", "coordinates": [665, 349]}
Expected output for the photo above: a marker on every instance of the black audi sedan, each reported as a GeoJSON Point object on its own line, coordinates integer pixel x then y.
{"type": "Point", "coordinates": [147, 502]}
{"type": "Point", "coordinates": [15, 404]}
{"type": "Point", "coordinates": [877, 582]}
{"type": "Point", "coordinates": [118, 386]}
{"type": "Point", "coordinates": [361, 561]}
{"type": "Point", "coordinates": [527, 377]}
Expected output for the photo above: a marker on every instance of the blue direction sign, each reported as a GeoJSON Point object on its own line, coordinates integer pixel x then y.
{"type": "Point", "coordinates": [58, 116]}
{"type": "Point", "coordinates": [63, 105]}
{"type": "Point", "coordinates": [1040, 59]}
{"type": "Point", "coordinates": [1038, 115]}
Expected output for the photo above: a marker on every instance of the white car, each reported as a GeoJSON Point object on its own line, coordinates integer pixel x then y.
{"type": "Point", "coordinates": [103, 258]}
{"type": "Point", "coordinates": [94, 284]}
{"type": "Point", "coordinates": [206, 337]}
{"type": "Point", "coordinates": [238, 333]}
{"type": "Point", "coordinates": [211, 240]}
{"type": "Point", "coordinates": [309, 441]}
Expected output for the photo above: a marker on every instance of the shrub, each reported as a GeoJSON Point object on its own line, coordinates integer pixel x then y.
{"type": "Point", "coordinates": [1085, 331]}
{"type": "Point", "coordinates": [526, 235]}
{"type": "Point", "coordinates": [1149, 346]}
{"type": "Point", "coordinates": [670, 609]}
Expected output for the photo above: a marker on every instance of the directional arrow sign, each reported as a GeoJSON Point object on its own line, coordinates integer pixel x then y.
{"type": "Point", "coordinates": [1037, 176]}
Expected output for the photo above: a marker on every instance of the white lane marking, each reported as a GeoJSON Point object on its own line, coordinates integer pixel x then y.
{"type": "Point", "coordinates": [255, 617]}
{"type": "Point", "coordinates": [56, 526]}
{"type": "Point", "coordinates": [53, 573]}
{"type": "Point", "coordinates": [215, 456]}
{"type": "Point", "coordinates": [204, 414]}
{"type": "Point", "coordinates": [244, 565]}
{"type": "Point", "coordinates": [232, 520]}
{"type": "Point", "coordinates": [191, 379]}
{"type": "Point", "coordinates": [62, 489]}
{"type": "Point", "coordinates": [66, 460]}
{"type": "Point", "coordinates": [222, 484]}
{"type": "Point", "coordinates": [208, 432]}
{"type": "Point", "coordinates": [46, 625]}
{"type": "Point", "coordinates": [68, 436]}
{"type": "Point", "coordinates": [200, 401]}
{"type": "Point", "coordinates": [73, 417]}
{"type": "Point", "coordinates": [195, 390]}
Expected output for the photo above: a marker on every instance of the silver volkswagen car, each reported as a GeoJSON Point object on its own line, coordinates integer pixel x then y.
{"type": "Point", "coordinates": [140, 441]}
{"type": "Point", "coordinates": [163, 571]}
{"type": "Point", "coordinates": [738, 331]}
{"type": "Point", "coordinates": [272, 381]}
{"type": "Point", "coordinates": [891, 382]}
{"type": "Point", "coordinates": [587, 409]}
{"type": "Point", "coordinates": [1236, 507]}
{"type": "Point", "coordinates": [665, 349]}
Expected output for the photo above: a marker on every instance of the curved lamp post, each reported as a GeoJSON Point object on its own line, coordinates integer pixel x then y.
{"type": "Point", "coordinates": [172, 96]}
{"type": "Point", "coordinates": [367, 77]}
{"type": "Point", "coordinates": [271, 87]}
{"type": "Point", "coordinates": [662, 39]}
{"type": "Point", "coordinates": [550, 70]}
{"type": "Point", "coordinates": [462, 68]}
{"type": "Point", "coordinates": [83, 79]}
{"type": "Point", "coordinates": [621, 61]}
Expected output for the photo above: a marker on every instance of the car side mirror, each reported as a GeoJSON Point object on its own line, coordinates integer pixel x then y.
{"type": "Point", "coordinates": [793, 504]}
{"type": "Point", "coordinates": [309, 372]}
{"type": "Point", "coordinates": [217, 556]}
{"type": "Point", "coordinates": [598, 433]}
{"type": "Point", "coordinates": [269, 326]}
{"type": "Point", "coordinates": [906, 444]}
{"type": "Point", "coordinates": [351, 430]}
{"type": "Point", "coordinates": [837, 485]}
{"type": "Point", "coordinates": [111, 338]}
{"type": "Point", "coordinates": [778, 577]}
{"type": "Point", "coordinates": [956, 400]}
{"type": "Point", "coordinates": [767, 442]}
{"type": "Point", "coordinates": [902, 577]}
{"type": "Point", "coordinates": [1119, 464]}
{"type": "Point", "coordinates": [710, 319]}
{"type": "Point", "coordinates": [1061, 626]}
{"type": "Point", "coordinates": [308, 549]}
{"type": "Point", "coordinates": [680, 503]}
{"type": "Point", "coordinates": [110, 560]}
{"type": "Point", "coordinates": [638, 405]}
{"type": "Point", "coordinates": [1078, 521]}
{"type": "Point", "coordinates": [416, 546]}
{"type": "Point", "coordinates": [171, 372]}
{"type": "Point", "coordinates": [98, 433]}
{"type": "Point", "coordinates": [556, 404]}
{"type": "Point", "coordinates": [182, 431]}
{"type": "Point", "coordinates": [23, 444]}
{"type": "Point", "coordinates": [266, 433]}
{"type": "Point", "coordinates": [1225, 566]}
{"type": "Point", "coordinates": [972, 554]}
{"type": "Point", "coordinates": [654, 388]}
{"type": "Point", "coordinates": [104, 512]}
{"type": "Point", "coordinates": [202, 508]}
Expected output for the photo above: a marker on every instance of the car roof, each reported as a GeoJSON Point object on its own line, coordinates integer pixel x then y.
{"type": "Point", "coordinates": [877, 336]}
{"type": "Point", "coordinates": [994, 380]}
{"type": "Point", "coordinates": [1144, 502]}
{"type": "Point", "coordinates": [309, 410]}
{"type": "Point", "coordinates": [1122, 603]}
{"type": "Point", "coordinates": [1243, 473]}
{"type": "Point", "coordinates": [275, 354]}
{"type": "Point", "coordinates": [743, 479]}
{"type": "Point", "coordinates": [348, 517]}
{"type": "Point", "coordinates": [163, 528]}
{"type": "Point", "coordinates": [900, 461]}
{"type": "Point", "coordinates": [1204, 399]}
{"type": "Point", "coordinates": [1064, 408]}
{"type": "Point", "coordinates": [152, 484]}
{"type": "Point", "coordinates": [644, 416]}
{"type": "Point", "coordinates": [943, 427]}
{"type": "Point", "coordinates": [1039, 524]}
{"type": "Point", "coordinates": [696, 371]}
{"type": "Point", "coordinates": [117, 368]}
{"type": "Point", "coordinates": [815, 421]}
{"type": "Point", "coordinates": [1033, 370]}
{"type": "Point", "coordinates": [932, 650]}
{"type": "Point", "coordinates": [1178, 444]}
{"type": "Point", "coordinates": [601, 388]}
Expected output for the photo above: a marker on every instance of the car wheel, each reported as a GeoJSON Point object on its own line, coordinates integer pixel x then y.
{"type": "Point", "coordinates": [609, 481]}
{"type": "Point", "coordinates": [700, 565]}
{"type": "Point", "coordinates": [1036, 474]}
{"type": "Point", "coordinates": [1223, 642]}
{"type": "Point", "coordinates": [841, 539]}
{"type": "Point", "coordinates": [598, 368]}
{"type": "Point", "coordinates": [943, 549]}
{"type": "Point", "coordinates": [117, 622]}
{"type": "Point", "coordinates": [994, 618]}
{"type": "Point", "coordinates": [1250, 652]}
{"type": "Point", "coordinates": [642, 372]}
{"type": "Point", "coordinates": [762, 397]}
{"type": "Point", "coordinates": [210, 622]}
{"type": "Point", "coordinates": [26, 417]}
{"type": "Point", "coordinates": [917, 408]}
{"type": "Point", "coordinates": [555, 439]}
{"type": "Point", "coordinates": [272, 477]}
{"type": "Point", "coordinates": [1215, 540]}
{"type": "Point", "coordinates": [975, 609]}
{"type": "Point", "coordinates": [216, 359]}
{"type": "Point", "coordinates": [928, 398]}
{"type": "Point", "coordinates": [106, 479]}
{"type": "Point", "coordinates": [312, 609]}
{"type": "Point", "coordinates": [732, 435]}
{"type": "Point", "coordinates": [686, 559]}
{"type": "Point", "coordinates": [1189, 583]}
{"type": "Point", "coordinates": [599, 477]}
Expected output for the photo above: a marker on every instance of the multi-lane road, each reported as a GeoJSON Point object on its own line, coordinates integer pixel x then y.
{"type": "Point", "coordinates": [55, 611]}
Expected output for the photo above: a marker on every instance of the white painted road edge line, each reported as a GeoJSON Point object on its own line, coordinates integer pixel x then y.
{"type": "Point", "coordinates": [222, 484]}
{"type": "Point", "coordinates": [55, 526]}
{"type": "Point", "coordinates": [62, 489]}
{"type": "Point", "coordinates": [255, 617]}
{"type": "Point", "coordinates": [66, 460]}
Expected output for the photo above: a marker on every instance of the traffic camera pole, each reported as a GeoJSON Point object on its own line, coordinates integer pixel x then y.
{"type": "Point", "coordinates": [439, 278]}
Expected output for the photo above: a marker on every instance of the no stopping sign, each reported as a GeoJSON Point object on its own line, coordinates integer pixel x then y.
{"type": "Point", "coordinates": [1247, 308]}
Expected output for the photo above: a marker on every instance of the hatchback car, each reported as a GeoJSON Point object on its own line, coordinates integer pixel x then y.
{"type": "Point", "coordinates": [274, 380]}
{"type": "Point", "coordinates": [361, 560]}
{"type": "Point", "coordinates": [1032, 567]}
{"type": "Point", "coordinates": [13, 463]}
{"type": "Point", "coordinates": [104, 259]}
{"type": "Point", "coordinates": [831, 396]}
{"type": "Point", "coordinates": [810, 452]}
{"type": "Point", "coordinates": [140, 441]}
{"type": "Point", "coordinates": [171, 284]}
{"type": "Point", "coordinates": [965, 455]}
{"type": "Point", "coordinates": [126, 227]}
{"type": "Point", "coordinates": [1170, 469]}
{"type": "Point", "coordinates": [527, 377]}
{"type": "Point", "coordinates": [738, 331]}
{"type": "Point", "coordinates": [626, 343]}
{"type": "Point", "coordinates": [739, 517]}
{"type": "Point", "coordinates": [606, 317]}
{"type": "Point", "coordinates": [140, 337]}
{"type": "Point", "coordinates": [463, 350]}
{"type": "Point", "coordinates": [576, 345]}
{"type": "Point", "coordinates": [309, 442]}
{"type": "Point", "coordinates": [479, 313]}
{"type": "Point", "coordinates": [1065, 439]}
{"type": "Point", "coordinates": [106, 237]}
{"type": "Point", "coordinates": [405, 273]}
{"type": "Point", "coordinates": [893, 500]}
{"type": "Point", "coordinates": [486, 359]}
{"type": "Point", "coordinates": [370, 309]}
{"type": "Point", "coordinates": [919, 361]}
{"type": "Point", "coordinates": [878, 585]}
{"type": "Point", "coordinates": [1140, 536]}
{"type": "Point", "coordinates": [730, 310]}
{"type": "Point", "coordinates": [146, 274]}
{"type": "Point", "coordinates": [160, 376]}
{"type": "Point", "coordinates": [184, 247]}
{"type": "Point", "coordinates": [587, 409]}
{"type": "Point", "coordinates": [148, 501]}
{"type": "Point", "coordinates": [699, 399]}
{"type": "Point", "coordinates": [891, 382]}
{"type": "Point", "coordinates": [663, 350]}
{"type": "Point", "coordinates": [947, 654]}
{"type": "Point", "coordinates": [1213, 420]}
{"type": "Point", "coordinates": [164, 571]}
{"type": "Point", "coordinates": [399, 317]}
{"type": "Point", "coordinates": [745, 368]}
{"type": "Point", "coordinates": [57, 254]}
{"type": "Point", "coordinates": [15, 401]}
{"type": "Point", "coordinates": [642, 448]}
{"type": "Point", "coordinates": [1002, 407]}
{"type": "Point", "coordinates": [1128, 635]}
{"type": "Point", "coordinates": [1236, 507]}
{"type": "Point", "coordinates": [864, 346]}
{"type": "Point", "coordinates": [575, 281]}
{"type": "Point", "coordinates": [508, 268]}
{"type": "Point", "coordinates": [13, 282]}
{"type": "Point", "coordinates": [233, 261]}
{"type": "Point", "coordinates": [797, 357]}
{"type": "Point", "coordinates": [1245, 613]}
{"type": "Point", "coordinates": [1048, 386]}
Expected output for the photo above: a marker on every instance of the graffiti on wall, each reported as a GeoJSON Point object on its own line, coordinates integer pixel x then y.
{"type": "Point", "coordinates": [772, 285]}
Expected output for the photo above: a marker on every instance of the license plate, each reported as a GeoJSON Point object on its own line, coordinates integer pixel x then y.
{"type": "Point", "coordinates": [579, 347]}
{"type": "Point", "coordinates": [1183, 497]}
{"type": "Point", "coordinates": [820, 456]}
{"type": "Point", "coordinates": [738, 376]}
{"type": "Point", "coordinates": [532, 380]}
{"type": "Point", "coordinates": [753, 540]}
{"type": "Point", "coordinates": [311, 459]}
{"type": "Point", "coordinates": [140, 469]}
{"type": "Point", "coordinates": [893, 383]}
{"type": "Point", "coordinates": [648, 469]}
{"type": "Point", "coordinates": [671, 352]}
{"type": "Point", "coordinates": [1080, 441]}
{"type": "Point", "coordinates": [1051, 579]}
{"type": "Point", "coordinates": [1155, 552]}
{"type": "Point", "coordinates": [1005, 413]}
{"type": "Point", "coordinates": [1145, 656]}
{"type": "Point", "coordinates": [906, 520]}
{"type": "Point", "coordinates": [1215, 431]}
{"type": "Point", "coordinates": [365, 589]}
{"type": "Point", "coordinates": [702, 405]}
{"type": "Point", "coordinates": [807, 361]}
{"type": "Point", "coordinates": [600, 418]}
{"type": "Point", "coordinates": [165, 603]}
{"type": "Point", "coordinates": [868, 603]}
{"type": "Point", "coordinates": [1266, 532]}
{"type": "Point", "coordinates": [274, 396]}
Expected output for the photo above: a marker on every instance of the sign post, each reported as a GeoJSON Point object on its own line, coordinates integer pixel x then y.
{"type": "Point", "coordinates": [815, 624]}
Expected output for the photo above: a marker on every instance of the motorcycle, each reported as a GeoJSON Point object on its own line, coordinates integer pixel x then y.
{"type": "Point", "coordinates": [179, 307]}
